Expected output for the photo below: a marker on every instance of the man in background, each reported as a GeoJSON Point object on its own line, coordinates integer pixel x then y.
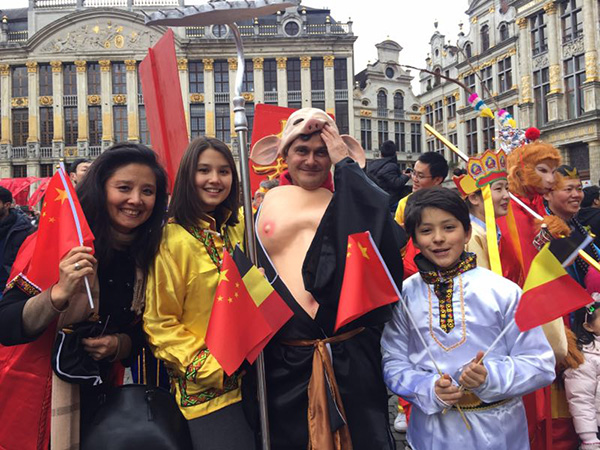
{"type": "Point", "coordinates": [385, 172]}
{"type": "Point", "coordinates": [78, 169]}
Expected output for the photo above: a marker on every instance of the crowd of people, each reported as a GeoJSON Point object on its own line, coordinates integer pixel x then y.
{"type": "Point", "coordinates": [156, 264]}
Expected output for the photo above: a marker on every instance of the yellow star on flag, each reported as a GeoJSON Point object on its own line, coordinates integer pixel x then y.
{"type": "Point", "coordinates": [363, 250]}
{"type": "Point", "coordinates": [223, 276]}
{"type": "Point", "coordinates": [62, 195]}
{"type": "Point", "coordinates": [220, 298]}
{"type": "Point", "coordinates": [230, 300]}
{"type": "Point", "coordinates": [51, 220]}
{"type": "Point", "coordinates": [44, 214]}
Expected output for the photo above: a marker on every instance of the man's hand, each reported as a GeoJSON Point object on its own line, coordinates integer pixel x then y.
{"type": "Point", "coordinates": [446, 391]}
{"type": "Point", "coordinates": [474, 375]}
{"type": "Point", "coordinates": [336, 146]}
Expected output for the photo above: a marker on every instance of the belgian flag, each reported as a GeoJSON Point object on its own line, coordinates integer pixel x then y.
{"type": "Point", "coordinates": [246, 313]}
{"type": "Point", "coordinates": [549, 291]}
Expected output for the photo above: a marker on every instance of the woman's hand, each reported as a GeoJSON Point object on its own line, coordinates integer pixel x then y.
{"type": "Point", "coordinates": [76, 265]}
{"type": "Point", "coordinates": [101, 347]}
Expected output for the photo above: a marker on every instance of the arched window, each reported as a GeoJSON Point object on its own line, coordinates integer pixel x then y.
{"type": "Point", "coordinates": [484, 35]}
{"type": "Point", "coordinates": [398, 105]}
{"type": "Point", "coordinates": [503, 32]}
{"type": "Point", "coordinates": [468, 50]}
{"type": "Point", "coordinates": [382, 104]}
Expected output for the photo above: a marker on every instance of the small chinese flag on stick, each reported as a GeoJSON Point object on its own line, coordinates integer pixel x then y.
{"type": "Point", "coordinates": [246, 313]}
{"type": "Point", "coordinates": [367, 282]}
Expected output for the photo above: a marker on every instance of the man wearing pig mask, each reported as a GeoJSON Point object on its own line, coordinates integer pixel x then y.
{"type": "Point", "coordinates": [325, 389]}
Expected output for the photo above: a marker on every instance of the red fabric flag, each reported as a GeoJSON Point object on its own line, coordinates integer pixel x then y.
{"type": "Point", "coordinates": [164, 105]}
{"type": "Point", "coordinates": [367, 282]}
{"type": "Point", "coordinates": [39, 192]}
{"type": "Point", "coordinates": [236, 326]}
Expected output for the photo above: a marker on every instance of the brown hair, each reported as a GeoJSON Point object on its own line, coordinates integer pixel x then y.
{"type": "Point", "coordinates": [186, 207]}
{"type": "Point", "coordinates": [521, 162]}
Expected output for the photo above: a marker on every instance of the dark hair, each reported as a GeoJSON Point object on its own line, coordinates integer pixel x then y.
{"type": "Point", "coordinates": [186, 206]}
{"type": "Point", "coordinates": [458, 172]}
{"type": "Point", "coordinates": [590, 194]}
{"type": "Point", "coordinates": [5, 195]}
{"type": "Point", "coordinates": [582, 316]}
{"type": "Point", "coordinates": [92, 195]}
{"type": "Point", "coordinates": [568, 171]}
{"type": "Point", "coordinates": [470, 205]}
{"type": "Point", "coordinates": [388, 148]}
{"type": "Point", "coordinates": [435, 197]}
{"type": "Point", "coordinates": [74, 164]}
{"type": "Point", "coordinates": [438, 166]}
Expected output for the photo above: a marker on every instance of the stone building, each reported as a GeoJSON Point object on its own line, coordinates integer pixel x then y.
{"type": "Point", "coordinates": [535, 58]}
{"type": "Point", "coordinates": [69, 85]}
{"type": "Point", "coordinates": [385, 107]}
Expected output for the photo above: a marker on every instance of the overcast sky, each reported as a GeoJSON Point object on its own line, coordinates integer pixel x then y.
{"type": "Point", "coordinates": [410, 23]}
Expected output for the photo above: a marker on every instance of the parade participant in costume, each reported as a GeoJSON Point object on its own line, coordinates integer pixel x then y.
{"type": "Point", "coordinates": [205, 221]}
{"type": "Point", "coordinates": [302, 228]}
{"type": "Point", "coordinates": [123, 197]}
{"type": "Point", "coordinates": [460, 309]}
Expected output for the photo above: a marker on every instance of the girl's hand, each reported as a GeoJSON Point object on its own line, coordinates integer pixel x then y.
{"type": "Point", "coordinates": [474, 375]}
{"type": "Point", "coordinates": [101, 347]}
{"type": "Point", "coordinates": [76, 265]}
{"type": "Point", "coordinates": [446, 391]}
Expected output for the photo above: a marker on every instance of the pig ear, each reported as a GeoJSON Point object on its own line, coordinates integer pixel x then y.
{"type": "Point", "coordinates": [357, 153]}
{"type": "Point", "coordinates": [265, 150]}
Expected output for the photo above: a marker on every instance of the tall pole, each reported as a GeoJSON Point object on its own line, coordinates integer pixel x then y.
{"type": "Point", "coordinates": [241, 127]}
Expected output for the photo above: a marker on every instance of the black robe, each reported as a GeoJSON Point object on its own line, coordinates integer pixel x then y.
{"type": "Point", "coordinates": [357, 205]}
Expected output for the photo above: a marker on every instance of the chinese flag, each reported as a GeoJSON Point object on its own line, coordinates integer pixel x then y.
{"type": "Point", "coordinates": [367, 282]}
{"type": "Point", "coordinates": [549, 291]}
{"type": "Point", "coordinates": [245, 314]}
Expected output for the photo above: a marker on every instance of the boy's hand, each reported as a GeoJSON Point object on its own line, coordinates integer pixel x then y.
{"type": "Point", "coordinates": [474, 375]}
{"type": "Point", "coordinates": [446, 391]}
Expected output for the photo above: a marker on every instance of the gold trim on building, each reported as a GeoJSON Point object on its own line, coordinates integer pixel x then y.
{"type": "Point", "coordinates": [46, 100]}
{"type": "Point", "coordinates": [182, 64]}
{"type": "Point", "coordinates": [120, 99]}
{"type": "Point", "coordinates": [492, 10]}
{"type": "Point", "coordinates": [555, 81]}
{"type": "Point", "coordinates": [550, 8]}
{"type": "Point", "coordinates": [104, 65]}
{"type": "Point", "coordinates": [208, 64]}
{"type": "Point", "coordinates": [130, 65]}
{"type": "Point", "coordinates": [248, 96]}
{"type": "Point", "coordinates": [93, 100]}
{"type": "Point", "coordinates": [474, 19]}
{"type": "Point", "coordinates": [4, 69]}
{"type": "Point", "coordinates": [71, 152]}
{"type": "Point", "coordinates": [233, 63]}
{"type": "Point", "coordinates": [32, 66]}
{"type": "Point", "coordinates": [258, 63]}
{"type": "Point", "coordinates": [591, 67]}
{"type": "Point", "coordinates": [305, 62]}
{"type": "Point", "coordinates": [19, 102]}
{"type": "Point", "coordinates": [56, 66]}
{"type": "Point", "coordinates": [328, 60]}
{"type": "Point", "coordinates": [525, 89]}
{"type": "Point", "coordinates": [522, 22]}
{"type": "Point", "coordinates": [281, 62]}
{"type": "Point", "coordinates": [81, 65]}
{"type": "Point", "coordinates": [196, 98]}
{"type": "Point", "coordinates": [457, 95]}
{"type": "Point", "coordinates": [452, 125]}
{"type": "Point", "coordinates": [366, 113]}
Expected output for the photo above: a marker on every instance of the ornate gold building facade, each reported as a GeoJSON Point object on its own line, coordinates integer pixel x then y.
{"type": "Point", "coordinates": [69, 85]}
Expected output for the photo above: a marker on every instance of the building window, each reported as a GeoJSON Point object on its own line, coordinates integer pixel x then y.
{"type": "Point", "coordinates": [451, 106]}
{"type": "Point", "coordinates": [398, 105]}
{"type": "Point", "coordinates": [470, 83]}
{"type": "Point", "coordinates": [487, 81]}
{"type": "Point", "coordinates": [220, 31]}
{"type": "Point", "coordinates": [292, 28]}
{"type": "Point", "coordinates": [340, 73]}
{"type": "Point", "coordinates": [143, 126]}
{"type": "Point", "coordinates": [95, 125]}
{"type": "Point", "coordinates": [20, 127]}
{"type": "Point", "coordinates": [365, 133]}
{"type": "Point", "coordinates": [430, 145]}
{"type": "Point", "coordinates": [19, 171]}
{"type": "Point", "coordinates": [400, 136]}
{"type": "Point", "coordinates": [196, 77]}
{"type": "Point", "coordinates": [19, 82]}
{"type": "Point", "coordinates": [221, 73]}
{"type": "Point", "coordinates": [250, 117]}
{"type": "Point", "coordinates": [317, 74]}
{"type": "Point", "coordinates": [45, 79]}
{"type": "Point", "coordinates": [503, 32]}
{"type": "Point", "coordinates": [248, 82]}
{"type": "Point", "coordinates": [574, 79]}
{"type": "Point", "coordinates": [468, 50]}
{"type": "Point", "coordinates": [484, 35]}
{"type": "Point", "coordinates": [415, 137]}
{"type": "Point", "coordinates": [93, 79]}
{"type": "Point", "coordinates": [69, 80]}
{"type": "Point", "coordinates": [294, 82]}
{"type": "Point", "coordinates": [539, 40]}
{"type": "Point", "coordinates": [488, 133]}
{"type": "Point", "coordinates": [197, 121]}
{"type": "Point", "coordinates": [472, 136]}
{"type": "Point", "coordinates": [382, 131]}
{"type": "Point", "coordinates": [453, 138]}
{"type": "Point", "coordinates": [120, 123]}
{"type": "Point", "coordinates": [70, 126]}
{"type": "Point", "coordinates": [382, 103]}
{"type": "Point", "coordinates": [438, 111]}
{"type": "Point", "coordinates": [571, 18]}
{"type": "Point", "coordinates": [541, 87]}
{"type": "Point", "coordinates": [222, 122]}
{"type": "Point", "coordinates": [46, 170]}
{"type": "Point", "coordinates": [341, 116]}
{"type": "Point", "coordinates": [429, 115]}
{"type": "Point", "coordinates": [270, 75]}
{"type": "Point", "coordinates": [119, 78]}
{"type": "Point", "coordinates": [504, 74]}
{"type": "Point", "coordinates": [46, 127]}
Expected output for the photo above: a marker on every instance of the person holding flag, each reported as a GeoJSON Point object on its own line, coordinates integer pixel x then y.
{"type": "Point", "coordinates": [433, 349]}
{"type": "Point", "coordinates": [123, 199]}
{"type": "Point", "coordinates": [205, 222]}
